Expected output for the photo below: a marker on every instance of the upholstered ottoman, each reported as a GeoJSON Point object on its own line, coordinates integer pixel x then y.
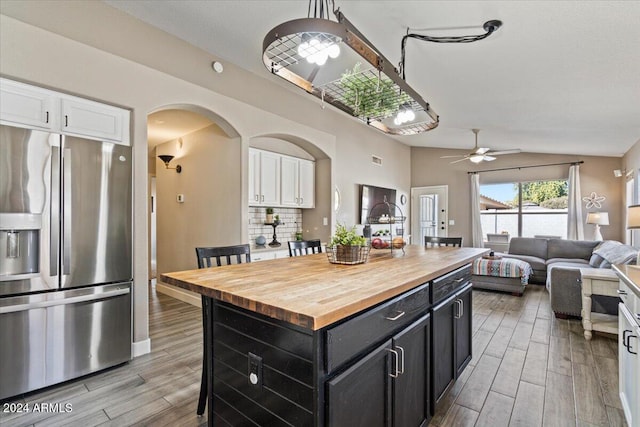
{"type": "Point", "coordinates": [503, 274]}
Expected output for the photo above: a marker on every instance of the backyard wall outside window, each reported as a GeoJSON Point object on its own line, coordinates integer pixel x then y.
{"type": "Point", "coordinates": [525, 209]}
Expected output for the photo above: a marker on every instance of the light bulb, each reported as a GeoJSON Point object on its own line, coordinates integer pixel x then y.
{"type": "Point", "coordinates": [321, 59]}
{"type": "Point", "coordinates": [410, 115]}
{"type": "Point", "coordinates": [303, 49]}
{"type": "Point", "coordinates": [397, 121]}
{"type": "Point", "coordinates": [334, 51]}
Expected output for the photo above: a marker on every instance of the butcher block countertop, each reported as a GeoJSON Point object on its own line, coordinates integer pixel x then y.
{"type": "Point", "coordinates": [310, 292]}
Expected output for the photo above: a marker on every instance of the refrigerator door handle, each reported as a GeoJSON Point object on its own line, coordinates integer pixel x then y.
{"type": "Point", "coordinates": [54, 215]}
{"type": "Point", "coordinates": [66, 212]}
{"type": "Point", "coordinates": [64, 301]}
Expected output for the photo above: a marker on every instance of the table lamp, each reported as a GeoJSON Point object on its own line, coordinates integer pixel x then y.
{"type": "Point", "coordinates": [598, 219]}
{"type": "Point", "coordinates": [633, 222]}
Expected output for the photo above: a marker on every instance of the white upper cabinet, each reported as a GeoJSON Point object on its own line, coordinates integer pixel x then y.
{"type": "Point", "coordinates": [29, 106]}
{"type": "Point", "coordinates": [307, 175]}
{"type": "Point", "coordinates": [81, 117]}
{"type": "Point", "coordinates": [264, 178]}
{"type": "Point", "coordinates": [24, 105]}
{"type": "Point", "coordinates": [294, 177]}
{"type": "Point", "coordinates": [290, 182]}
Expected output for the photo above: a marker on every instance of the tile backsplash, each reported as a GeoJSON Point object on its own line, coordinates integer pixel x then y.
{"type": "Point", "coordinates": [291, 219]}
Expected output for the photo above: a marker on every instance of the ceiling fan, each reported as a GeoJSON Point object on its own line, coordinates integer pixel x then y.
{"type": "Point", "coordinates": [480, 154]}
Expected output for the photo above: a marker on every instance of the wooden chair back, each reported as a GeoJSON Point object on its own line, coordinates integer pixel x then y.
{"type": "Point", "coordinates": [302, 247]}
{"type": "Point", "coordinates": [443, 241]}
{"type": "Point", "coordinates": [207, 254]}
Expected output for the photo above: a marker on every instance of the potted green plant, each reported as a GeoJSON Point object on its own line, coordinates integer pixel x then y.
{"type": "Point", "coordinates": [269, 219]}
{"type": "Point", "coordinates": [347, 247]}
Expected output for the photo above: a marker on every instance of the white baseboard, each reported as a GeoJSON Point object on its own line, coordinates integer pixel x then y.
{"type": "Point", "coordinates": [138, 348]}
{"type": "Point", "coordinates": [180, 294]}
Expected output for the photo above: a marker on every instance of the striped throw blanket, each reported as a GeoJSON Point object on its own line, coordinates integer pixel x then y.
{"type": "Point", "coordinates": [505, 267]}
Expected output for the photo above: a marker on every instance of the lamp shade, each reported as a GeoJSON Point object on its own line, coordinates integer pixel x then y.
{"type": "Point", "coordinates": [600, 218]}
{"type": "Point", "coordinates": [633, 216]}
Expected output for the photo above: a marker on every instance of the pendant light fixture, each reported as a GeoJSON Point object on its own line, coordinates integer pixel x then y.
{"type": "Point", "coordinates": [376, 93]}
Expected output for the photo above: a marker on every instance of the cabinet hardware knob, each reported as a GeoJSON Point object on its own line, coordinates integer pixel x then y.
{"type": "Point", "coordinates": [396, 317]}
{"type": "Point", "coordinates": [394, 374]}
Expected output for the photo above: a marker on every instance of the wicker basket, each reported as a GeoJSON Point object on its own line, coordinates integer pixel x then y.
{"type": "Point", "coordinates": [347, 254]}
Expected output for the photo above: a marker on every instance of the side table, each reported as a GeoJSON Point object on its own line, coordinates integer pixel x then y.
{"type": "Point", "coordinates": [598, 281]}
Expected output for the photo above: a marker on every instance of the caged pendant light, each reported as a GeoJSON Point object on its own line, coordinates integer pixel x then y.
{"type": "Point", "coordinates": [375, 93]}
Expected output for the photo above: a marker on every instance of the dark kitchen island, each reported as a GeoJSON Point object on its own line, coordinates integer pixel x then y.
{"type": "Point", "coordinates": [303, 342]}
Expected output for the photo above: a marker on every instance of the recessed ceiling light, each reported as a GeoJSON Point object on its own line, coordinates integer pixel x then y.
{"type": "Point", "coordinates": [217, 67]}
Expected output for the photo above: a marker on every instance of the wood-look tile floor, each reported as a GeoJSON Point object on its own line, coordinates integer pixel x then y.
{"type": "Point", "coordinates": [528, 369]}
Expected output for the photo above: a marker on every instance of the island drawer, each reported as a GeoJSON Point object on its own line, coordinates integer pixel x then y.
{"type": "Point", "coordinates": [347, 340]}
{"type": "Point", "coordinates": [449, 283]}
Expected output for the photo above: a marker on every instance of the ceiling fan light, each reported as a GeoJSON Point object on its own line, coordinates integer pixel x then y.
{"type": "Point", "coordinates": [333, 50]}
{"type": "Point", "coordinates": [410, 115]}
{"type": "Point", "coordinates": [476, 159]}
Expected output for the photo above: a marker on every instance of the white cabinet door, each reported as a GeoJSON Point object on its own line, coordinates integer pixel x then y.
{"type": "Point", "coordinates": [26, 105]}
{"type": "Point", "coordinates": [629, 365]}
{"type": "Point", "coordinates": [269, 178]}
{"type": "Point", "coordinates": [94, 120]}
{"type": "Point", "coordinates": [254, 177]}
{"type": "Point", "coordinates": [307, 184]}
{"type": "Point", "coordinates": [289, 180]}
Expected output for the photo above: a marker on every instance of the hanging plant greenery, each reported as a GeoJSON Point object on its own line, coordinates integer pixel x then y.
{"type": "Point", "coordinates": [370, 95]}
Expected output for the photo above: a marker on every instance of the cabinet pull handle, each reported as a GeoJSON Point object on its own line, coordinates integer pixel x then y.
{"type": "Point", "coordinates": [262, 198]}
{"type": "Point", "coordinates": [66, 120]}
{"type": "Point", "coordinates": [401, 359]}
{"type": "Point", "coordinates": [301, 200]}
{"type": "Point", "coordinates": [256, 197]}
{"type": "Point", "coordinates": [621, 292]}
{"type": "Point", "coordinates": [396, 317]}
{"type": "Point", "coordinates": [459, 280]}
{"type": "Point", "coordinates": [47, 117]}
{"type": "Point", "coordinates": [458, 313]}
{"type": "Point", "coordinates": [394, 374]}
{"type": "Point", "coordinates": [461, 308]}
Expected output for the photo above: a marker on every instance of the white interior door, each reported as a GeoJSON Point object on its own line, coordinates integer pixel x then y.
{"type": "Point", "coordinates": [429, 212]}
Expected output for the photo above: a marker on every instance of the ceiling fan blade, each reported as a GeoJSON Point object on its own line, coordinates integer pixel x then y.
{"type": "Point", "coordinates": [451, 157]}
{"type": "Point", "coordinates": [481, 150]}
{"type": "Point", "coordinates": [459, 160]}
{"type": "Point", "coordinates": [500, 153]}
{"type": "Point", "coordinates": [488, 158]}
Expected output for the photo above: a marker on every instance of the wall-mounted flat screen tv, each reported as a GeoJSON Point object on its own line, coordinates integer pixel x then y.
{"type": "Point", "coordinates": [370, 196]}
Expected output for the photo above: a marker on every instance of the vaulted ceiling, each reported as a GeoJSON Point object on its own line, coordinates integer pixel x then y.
{"type": "Point", "coordinates": [558, 77]}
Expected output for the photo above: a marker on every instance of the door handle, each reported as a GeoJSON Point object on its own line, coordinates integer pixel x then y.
{"type": "Point", "coordinates": [396, 317]}
{"type": "Point", "coordinates": [66, 211]}
{"type": "Point", "coordinates": [394, 374]}
{"type": "Point", "coordinates": [401, 359]}
{"type": "Point", "coordinates": [54, 214]}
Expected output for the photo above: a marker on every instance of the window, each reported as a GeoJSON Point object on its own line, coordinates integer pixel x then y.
{"type": "Point", "coordinates": [525, 209]}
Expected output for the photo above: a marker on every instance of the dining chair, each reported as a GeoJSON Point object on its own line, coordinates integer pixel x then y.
{"type": "Point", "coordinates": [214, 257]}
{"type": "Point", "coordinates": [443, 241]}
{"type": "Point", "coordinates": [302, 247]}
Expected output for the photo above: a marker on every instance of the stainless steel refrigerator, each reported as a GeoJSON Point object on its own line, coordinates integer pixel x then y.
{"type": "Point", "coordinates": [65, 257]}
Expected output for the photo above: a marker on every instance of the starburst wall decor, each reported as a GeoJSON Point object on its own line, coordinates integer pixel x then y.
{"type": "Point", "coordinates": [594, 201]}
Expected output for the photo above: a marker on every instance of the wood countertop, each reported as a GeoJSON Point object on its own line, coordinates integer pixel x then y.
{"type": "Point", "coordinates": [309, 291]}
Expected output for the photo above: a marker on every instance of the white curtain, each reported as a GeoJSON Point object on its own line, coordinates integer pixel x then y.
{"type": "Point", "coordinates": [575, 228]}
{"type": "Point", "coordinates": [476, 224]}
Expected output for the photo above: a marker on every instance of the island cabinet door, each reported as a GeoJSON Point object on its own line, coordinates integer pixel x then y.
{"type": "Point", "coordinates": [411, 386]}
{"type": "Point", "coordinates": [360, 395]}
{"type": "Point", "coordinates": [463, 329]}
{"type": "Point", "coordinates": [442, 347]}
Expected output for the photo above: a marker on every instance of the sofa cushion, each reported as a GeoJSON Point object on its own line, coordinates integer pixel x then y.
{"type": "Point", "coordinates": [528, 246]}
{"type": "Point", "coordinates": [615, 252]}
{"type": "Point", "coordinates": [558, 248]}
{"type": "Point", "coordinates": [582, 262]}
